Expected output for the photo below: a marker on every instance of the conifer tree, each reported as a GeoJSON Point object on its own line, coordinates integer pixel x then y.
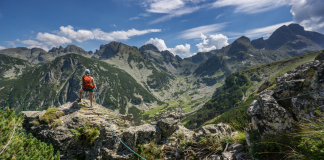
{"type": "Point", "coordinates": [15, 144]}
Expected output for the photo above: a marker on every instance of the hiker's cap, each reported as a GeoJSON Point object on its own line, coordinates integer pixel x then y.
{"type": "Point", "coordinates": [87, 71]}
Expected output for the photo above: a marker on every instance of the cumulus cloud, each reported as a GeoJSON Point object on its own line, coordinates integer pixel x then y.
{"type": "Point", "coordinates": [79, 36]}
{"type": "Point", "coordinates": [2, 47]}
{"type": "Point", "coordinates": [216, 41]}
{"type": "Point", "coordinates": [182, 50]}
{"type": "Point", "coordinates": [309, 14]}
{"type": "Point", "coordinates": [52, 40]}
{"type": "Point", "coordinates": [158, 43]}
{"type": "Point", "coordinates": [83, 35]}
{"type": "Point", "coordinates": [196, 32]}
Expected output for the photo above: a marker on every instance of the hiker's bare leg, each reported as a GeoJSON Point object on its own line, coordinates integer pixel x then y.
{"type": "Point", "coordinates": [80, 93]}
{"type": "Point", "coordinates": [91, 93]}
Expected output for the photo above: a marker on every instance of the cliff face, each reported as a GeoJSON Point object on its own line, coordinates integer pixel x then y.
{"type": "Point", "coordinates": [271, 115]}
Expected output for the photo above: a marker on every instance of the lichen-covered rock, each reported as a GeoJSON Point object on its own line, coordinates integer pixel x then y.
{"type": "Point", "coordinates": [105, 145]}
{"type": "Point", "coordinates": [219, 130]}
{"type": "Point", "coordinates": [298, 97]}
{"type": "Point", "coordinates": [232, 151]}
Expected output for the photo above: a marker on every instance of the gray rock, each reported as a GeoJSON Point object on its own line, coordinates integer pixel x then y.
{"type": "Point", "coordinates": [219, 130]}
{"type": "Point", "coordinates": [216, 157]}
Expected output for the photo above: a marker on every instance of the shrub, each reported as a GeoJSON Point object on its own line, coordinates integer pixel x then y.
{"type": "Point", "coordinates": [306, 143]}
{"type": "Point", "coordinates": [87, 133]}
{"type": "Point", "coordinates": [14, 144]}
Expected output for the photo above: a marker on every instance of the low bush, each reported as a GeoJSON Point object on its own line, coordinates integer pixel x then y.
{"type": "Point", "coordinates": [87, 133]}
{"type": "Point", "coordinates": [15, 144]}
{"type": "Point", "coordinates": [51, 115]}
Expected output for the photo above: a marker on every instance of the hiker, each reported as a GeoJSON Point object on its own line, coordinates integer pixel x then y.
{"type": "Point", "coordinates": [88, 84]}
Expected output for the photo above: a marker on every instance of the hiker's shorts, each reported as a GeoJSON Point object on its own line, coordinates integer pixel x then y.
{"type": "Point", "coordinates": [88, 90]}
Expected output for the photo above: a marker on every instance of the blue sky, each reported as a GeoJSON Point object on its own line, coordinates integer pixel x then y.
{"type": "Point", "coordinates": [183, 27]}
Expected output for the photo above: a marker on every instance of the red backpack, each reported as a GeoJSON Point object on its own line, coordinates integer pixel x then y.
{"type": "Point", "coordinates": [87, 83]}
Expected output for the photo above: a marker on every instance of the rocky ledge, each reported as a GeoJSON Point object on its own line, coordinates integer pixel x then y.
{"type": "Point", "coordinates": [68, 126]}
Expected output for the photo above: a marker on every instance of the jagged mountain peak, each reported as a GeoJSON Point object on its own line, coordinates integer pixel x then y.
{"type": "Point", "coordinates": [243, 43]}
{"type": "Point", "coordinates": [149, 47]}
{"type": "Point", "coordinates": [111, 49]}
{"type": "Point", "coordinates": [258, 43]}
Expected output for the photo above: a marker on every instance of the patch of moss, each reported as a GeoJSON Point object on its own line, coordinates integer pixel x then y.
{"type": "Point", "coordinates": [51, 115]}
{"type": "Point", "coordinates": [56, 123]}
{"type": "Point", "coordinates": [36, 122]}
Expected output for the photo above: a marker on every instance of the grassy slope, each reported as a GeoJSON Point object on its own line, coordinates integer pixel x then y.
{"type": "Point", "coordinates": [13, 66]}
{"type": "Point", "coordinates": [242, 85]}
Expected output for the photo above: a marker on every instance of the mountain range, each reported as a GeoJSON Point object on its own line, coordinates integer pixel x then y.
{"type": "Point", "coordinates": [143, 81]}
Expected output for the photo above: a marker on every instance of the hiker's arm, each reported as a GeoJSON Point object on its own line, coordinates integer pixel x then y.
{"type": "Point", "coordinates": [94, 84]}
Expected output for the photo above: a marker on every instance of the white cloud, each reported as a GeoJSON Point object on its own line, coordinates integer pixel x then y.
{"type": "Point", "coordinates": [173, 8]}
{"type": "Point", "coordinates": [196, 32]}
{"type": "Point", "coordinates": [134, 18]}
{"type": "Point", "coordinates": [2, 47]}
{"type": "Point", "coordinates": [34, 44]}
{"type": "Point", "coordinates": [140, 16]}
{"type": "Point", "coordinates": [250, 6]}
{"type": "Point", "coordinates": [259, 32]}
{"type": "Point", "coordinates": [220, 15]}
{"type": "Point", "coordinates": [176, 13]}
{"type": "Point", "coordinates": [182, 50]}
{"type": "Point", "coordinates": [52, 40]}
{"type": "Point", "coordinates": [11, 43]}
{"type": "Point", "coordinates": [158, 43]}
{"type": "Point", "coordinates": [164, 6]}
{"type": "Point", "coordinates": [83, 35]}
{"type": "Point", "coordinates": [79, 36]}
{"type": "Point", "coordinates": [120, 35]}
{"type": "Point", "coordinates": [309, 14]}
{"type": "Point", "coordinates": [31, 42]}
{"type": "Point", "coordinates": [216, 41]}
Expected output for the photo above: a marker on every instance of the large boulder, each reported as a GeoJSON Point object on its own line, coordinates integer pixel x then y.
{"type": "Point", "coordinates": [168, 121]}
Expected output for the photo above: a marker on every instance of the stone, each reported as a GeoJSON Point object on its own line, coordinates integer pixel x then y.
{"type": "Point", "coordinates": [219, 130]}
{"type": "Point", "coordinates": [216, 157]}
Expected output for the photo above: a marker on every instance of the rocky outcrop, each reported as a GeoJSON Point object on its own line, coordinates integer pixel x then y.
{"type": "Point", "coordinates": [105, 145]}
{"type": "Point", "coordinates": [298, 97]}
{"type": "Point", "coordinates": [76, 117]}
